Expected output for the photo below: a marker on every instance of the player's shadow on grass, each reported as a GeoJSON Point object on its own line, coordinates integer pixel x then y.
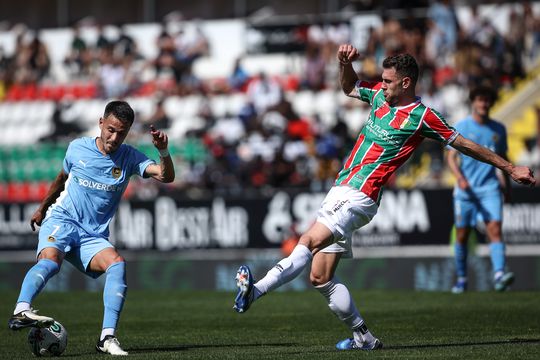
{"type": "Point", "coordinates": [469, 343]}
{"type": "Point", "coordinates": [166, 348]}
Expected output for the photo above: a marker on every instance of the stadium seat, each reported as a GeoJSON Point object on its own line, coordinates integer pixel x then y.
{"type": "Point", "coordinates": [303, 102]}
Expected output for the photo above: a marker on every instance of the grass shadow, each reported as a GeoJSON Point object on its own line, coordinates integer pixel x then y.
{"type": "Point", "coordinates": [166, 348]}
{"type": "Point", "coordinates": [469, 343]}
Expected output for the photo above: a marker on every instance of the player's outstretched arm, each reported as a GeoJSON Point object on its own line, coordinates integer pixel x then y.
{"type": "Point", "coordinates": [453, 163]}
{"type": "Point", "coordinates": [54, 191]}
{"type": "Point", "coordinates": [520, 174]}
{"type": "Point", "coordinates": [346, 54]}
{"type": "Point", "coordinates": [164, 171]}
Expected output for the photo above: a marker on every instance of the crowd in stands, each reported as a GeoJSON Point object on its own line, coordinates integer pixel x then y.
{"type": "Point", "coordinates": [267, 144]}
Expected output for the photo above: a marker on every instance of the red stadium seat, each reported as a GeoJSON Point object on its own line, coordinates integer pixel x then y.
{"type": "Point", "coordinates": [18, 192]}
{"type": "Point", "coordinates": [15, 93]}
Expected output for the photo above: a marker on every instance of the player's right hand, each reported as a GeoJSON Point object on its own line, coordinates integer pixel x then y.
{"type": "Point", "coordinates": [36, 219]}
{"type": "Point", "coordinates": [523, 175]}
{"type": "Point", "coordinates": [463, 184]}
{"type": "Point", "coordinates": [347, 53]}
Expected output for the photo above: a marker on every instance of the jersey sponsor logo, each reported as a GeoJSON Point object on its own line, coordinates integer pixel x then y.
{"type": "Point", "coordinates": [116, 172]}
{"type": "Point", "coordinates": [96, 185]}
{"type": "Point", "coordinates": [381, 133]}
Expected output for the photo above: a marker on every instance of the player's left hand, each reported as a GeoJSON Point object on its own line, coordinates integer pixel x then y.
{"type": "Point", "coordinates": [36, 219]}
{"type": "Point", "coordinates": [523, 175]}
{"type": "Point", "coordinates": [159, 138]}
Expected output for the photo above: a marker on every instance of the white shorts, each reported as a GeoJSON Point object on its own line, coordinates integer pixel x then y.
{"type": "Point", "coordinates": [343, 211]}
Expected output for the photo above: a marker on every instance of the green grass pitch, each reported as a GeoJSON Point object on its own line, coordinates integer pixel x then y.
{"type": "Point", "coordinates": [293, 325]}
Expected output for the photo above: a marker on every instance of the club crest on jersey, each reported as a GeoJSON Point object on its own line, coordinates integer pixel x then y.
{"type": "Point", "coordinates": [404, 123]}
{"type": "Point", "coordinates": [51, 238]}
{"type": "Point", "coordinates": [116, 172]}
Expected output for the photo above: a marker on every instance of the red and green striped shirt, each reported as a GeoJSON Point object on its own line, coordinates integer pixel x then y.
{"type": "Point", "coordinates": [388, 139]}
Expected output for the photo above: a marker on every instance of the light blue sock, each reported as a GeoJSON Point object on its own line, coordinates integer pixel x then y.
{"type": "Point", "coordinates": [497, 256]}
{"type": "Point", "coordinates": [36, 278]}
{"type": "Point", "coordinates": [460, 254]}
{"type": "Point", "coordinates": [114, 294]}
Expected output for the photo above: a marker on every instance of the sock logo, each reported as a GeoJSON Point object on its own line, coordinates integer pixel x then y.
{"type": "Point", "coordinates": [362, 328]}
{"type": "Point", "coordinates": [279, 267]}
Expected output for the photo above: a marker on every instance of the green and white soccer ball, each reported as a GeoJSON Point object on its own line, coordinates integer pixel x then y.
{"type": "Point", "coordinates": [49, 341]}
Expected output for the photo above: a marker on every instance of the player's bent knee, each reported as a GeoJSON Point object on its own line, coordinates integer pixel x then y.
{"type": "Point", "coordinates": [310, 242]}
{"type": "Point", "coordinates": [318, 279]}
{"type": "Point", "coordinates": [52, 254]}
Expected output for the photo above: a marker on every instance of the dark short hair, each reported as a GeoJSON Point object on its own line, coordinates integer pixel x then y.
{"type": "Point", "coordinates": [120, 110]}
{"type": "Point", "coordinates": [405, 65]}
{"type": "Point", "coordinates": [484, 91]}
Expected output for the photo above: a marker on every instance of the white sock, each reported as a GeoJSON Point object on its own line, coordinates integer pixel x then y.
{"type": "Point", "coordinates": [342, 305]}
{"type": "Point", "coordinates": [362, 335]}
{"type": "Point", "coordinates": [105, 332]}
{"type": "Point", "coordinates": [340, 302]}
{"type": "Point", "coordinates": [285, 270]}
{"type": "Point", "coordinates": [21, 306]}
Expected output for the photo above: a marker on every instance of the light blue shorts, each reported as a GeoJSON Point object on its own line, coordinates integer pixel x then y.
{"type": "Point", "coordinates": [78, 246]}
{"type": "Point", "coordinates": [486, 208]}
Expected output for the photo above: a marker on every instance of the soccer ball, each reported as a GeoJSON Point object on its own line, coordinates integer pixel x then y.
{"type": "Point", "coordinates": [49, 341]}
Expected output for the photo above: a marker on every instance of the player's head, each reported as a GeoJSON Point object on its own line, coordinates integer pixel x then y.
{"type": "Point", "coordinates": [400, 74]}
{"type": "Point", "coordinates": [482, 99]}
{"type": "Point", "coordinates": [115, 124]}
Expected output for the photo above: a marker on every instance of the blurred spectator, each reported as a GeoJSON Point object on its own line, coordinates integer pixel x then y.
{"type": "Point", "coordinates": [159, 118]}
{"type": "Point", "coordinates": [39, 60]}
{"type": "Point", "coordinates": [165, 60]}
{"type": "Point", "coordinates": [189, 46]}
{"type": "Point", "coordinates": [239, 76]}
{"type": "Point", "coordinates": [313, 77]}
{"type": "Point", "coordinates": [63, 129]}
{"type": "Point", "coordinates": [79, 58]}
{"type": "Point", "coordinates": [125, 46]}
{"type": "Point", "coordinates": [443, 17]}
{"type": "Point", "coordinates": [102, 41]}
{"type": "Point", "coordinates": [532, 35]}
{"type": "Point", "coordinates": [391, 35]}
{"type": "Point", "coordinates": [264, 92]}
{"type": "Point", "coordinates": [112, 76]}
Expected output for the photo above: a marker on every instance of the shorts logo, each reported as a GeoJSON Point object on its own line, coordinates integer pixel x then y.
{"type": "Point", "coordinates": [51, 239]}
{"type": "Point", "coordinates": [116, 172]}
{"type": "Point", "coordinates": [339, 205]}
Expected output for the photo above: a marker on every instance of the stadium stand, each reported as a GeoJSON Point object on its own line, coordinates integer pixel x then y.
{"type": "Point", "coordinates": [56, 81]}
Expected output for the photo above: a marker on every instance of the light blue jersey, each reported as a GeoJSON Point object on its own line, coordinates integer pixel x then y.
{"type": "Point", "coordinates": [95, 184]}
{"type": "Point", "coordinates": [481, 177]}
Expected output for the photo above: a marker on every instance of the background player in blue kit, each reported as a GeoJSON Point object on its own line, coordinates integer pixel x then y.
{"type": "Point", "coordinates": [479, 191]}
{"type": "Point", "coordinates": [75, 216]}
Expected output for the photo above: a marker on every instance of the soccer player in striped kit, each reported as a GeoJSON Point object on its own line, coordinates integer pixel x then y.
{"type": "Point", "coordinates": [397, 124]}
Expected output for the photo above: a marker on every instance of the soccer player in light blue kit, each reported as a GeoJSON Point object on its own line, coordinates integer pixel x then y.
{"type": "Point", "coordinates": [479, 191]}
{"type": "Point", "coordinates": [74, 217]}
